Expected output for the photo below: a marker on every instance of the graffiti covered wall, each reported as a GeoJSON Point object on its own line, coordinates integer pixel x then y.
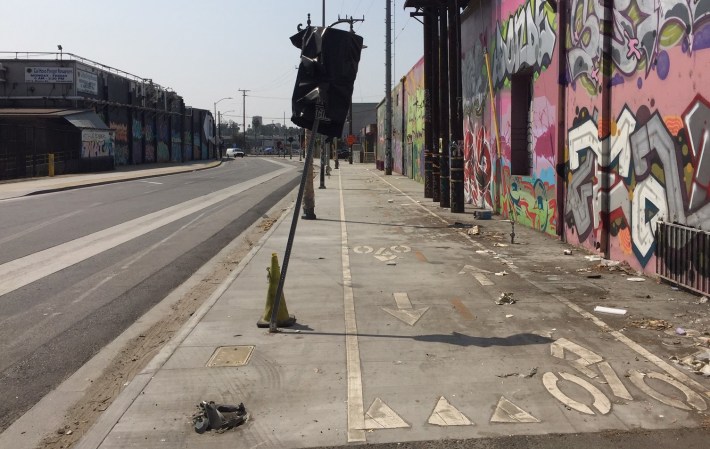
{"type": "Point", "coordinates": [398, 158]}
{"type": "Point", "coordinates": [521, 37]}
{"type": "Point", "coordinates": [414, 120]}
{"type": "Point", "coordinates": [650, 163]}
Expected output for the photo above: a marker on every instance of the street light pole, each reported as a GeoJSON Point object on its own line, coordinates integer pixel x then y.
{"type": "Point", "coordinates": [215, 116]}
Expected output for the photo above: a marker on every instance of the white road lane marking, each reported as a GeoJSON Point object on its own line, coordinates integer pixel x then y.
{"type": "Point", "coordinates": [617, 387]}
{"type": "Point", "coordinates": [42, 225]}
{"type": "Point", "coordinates": [356, 407]}
{"type": "Point", "coordinates": [507, 412]}
{"type": "Point", "coordinates": [28, 269]}
{"type": "Point", "coordinates": [693, 398]}
{"type": "Point", "coordinates": [445, 414]}
{"type": "Point", "coordinates": [153, 182]}
{"type": "Point", "coordinates": [601, 402]}
{"type": "Point", "coordinates": [660, 363]}
{"type": "Point", "coordinates": [482, 279]}
{"type": "Point", "coordinates": [381, 416]}
{"type": "Point", "coordinates": [404, 310]}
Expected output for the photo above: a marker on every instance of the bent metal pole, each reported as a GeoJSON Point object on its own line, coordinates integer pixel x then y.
{"type": "Point", "coordinates": [294, 222]}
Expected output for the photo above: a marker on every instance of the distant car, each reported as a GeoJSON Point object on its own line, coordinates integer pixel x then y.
{"type": "Point", "coordinates": [343, 154]}
{"type": "Point", "coordinates": [268, 150]}
{"type": "Point", "coordinates": [234, 152]}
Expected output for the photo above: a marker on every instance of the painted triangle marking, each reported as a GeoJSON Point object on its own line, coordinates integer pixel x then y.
{"type": "Point", "coordinates": [508, 412]}
{"type": "Point", "coordinates": [409, 316]}
{"type": "Point", "coordinates": [445, 414]}
{"type": "Point", "coordinates": [381, 416]}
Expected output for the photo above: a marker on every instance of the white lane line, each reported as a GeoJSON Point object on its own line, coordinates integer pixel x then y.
{"type": "Point", "coordinates": [662, 364]}
{"type": "Point", "coordinates": [152, 182]}
{"type": "Point", "coordinates": [28, 269]}
{"type": "Point", "coordinates": [356, 407]}
{"type": "Point", "coordinates": [482, 279]}
{"type": "Point", "coordinates": [134, 259]}
{"type": "Point", "coordinates": [39, 226]}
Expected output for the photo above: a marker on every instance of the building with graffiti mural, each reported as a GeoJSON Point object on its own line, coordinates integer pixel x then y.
{"type": "Point", "coordinates": [555, 140]}
{"type": "Point", "coordinates": [89, 116]}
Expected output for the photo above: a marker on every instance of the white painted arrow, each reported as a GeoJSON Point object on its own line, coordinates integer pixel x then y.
{"type": "Point", "coordinates": [404, 310]}
{"type": "Point", "coordinates": [381, 416]}
{"type": "Point", "coordinates": [384, 255]}
{"type": "Point", "coordinates": [445, 414]}
{"type": "Point", "coordinates": [478, 273]}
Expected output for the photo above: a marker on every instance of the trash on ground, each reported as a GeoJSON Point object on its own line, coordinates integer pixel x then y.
{"type": "Point", "coordinates": [505, 298]}
{"type": "Point", "coordinates": [482, 214]}
{"type": "Point", "coordinates": [593, 258]}
{"type": "Point", "coordinates": [458, 224]}
{"type": "Point", "coordinates": [680, 331]}
{"type": "Point", "coordinates": [509, 316]}
{"type": "Point", "coordinates": [703, 300]}
{"type": "Point", "coordinates": [568, 252]}
{"type": "Point", "coordinates": [474, 231]}
{"type": "Point", "coordinates": [530, 374]}
{"type": "Point", "coordinates": [500, 244]}
{"type": "Point", "coordinates": [610, 263]}
{"type": "Point", "coordinates": [635, 279]}
{"type": "Point", "coordinates": [611, 310]}
{"type": "Point", "coordinates": [699, 362]}
{"type": "Point", "coordinates": [652, 324]}
{"type": "Point", "coordinates": [390, 201]}
{"type": "Point", "coordinates": [502, 273]}
{"type": "Point", "coordinates": [675, 289]}
{"type": "Point", "coordinates": [218, 417]}
{"type": "Point", "coordinates": [594, 276]}
{"type": "Point", "coordinates": [391, 263]}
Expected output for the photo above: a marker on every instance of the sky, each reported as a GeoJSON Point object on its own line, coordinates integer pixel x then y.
{"type": "Point", "coordinates": [206, 50]}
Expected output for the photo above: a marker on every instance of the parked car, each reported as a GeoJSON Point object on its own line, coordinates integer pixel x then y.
{"type": "Point", "coordinates": [268, 150]}
{"type": "Point", "coordinates": [234, 152]}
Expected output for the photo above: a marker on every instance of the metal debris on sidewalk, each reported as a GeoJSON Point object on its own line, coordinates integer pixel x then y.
{"type": "Point", "coordinates": [474, 231]}
{"type": "Point", "coordinates": [505, 298]}
{"type": "Point", "coordinates": [218, 417]}
{"type": "Point", "coordinates": [611, 310]}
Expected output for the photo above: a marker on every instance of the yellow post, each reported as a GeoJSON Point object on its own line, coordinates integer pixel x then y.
{"type": "Point", "coordinates": [50, 164]}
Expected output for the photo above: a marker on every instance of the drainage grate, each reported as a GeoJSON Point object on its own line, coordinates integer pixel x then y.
{"type": "Point", "coordinates": [683, 256]}
{"type": "Point", "coordinates": [230, 356]}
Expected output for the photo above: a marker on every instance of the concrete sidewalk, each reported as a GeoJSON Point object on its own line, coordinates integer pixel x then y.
{"type": "Point", "coordinates": [399, 337]}
{"type": "Point", "coordinates": [30, 186]}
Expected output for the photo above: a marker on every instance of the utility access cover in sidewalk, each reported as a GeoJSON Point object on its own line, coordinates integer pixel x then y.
{"type": "Point", "coordinates": [230, 356]}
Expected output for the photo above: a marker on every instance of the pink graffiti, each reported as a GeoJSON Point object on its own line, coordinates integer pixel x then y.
{"type": "Point", "coordinates": [632, 45]}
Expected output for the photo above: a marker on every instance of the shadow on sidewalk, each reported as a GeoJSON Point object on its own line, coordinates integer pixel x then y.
{"type": "Point", "coordinates": [401, 225]}
{"type": "Point", "coordinates": [455, 338]}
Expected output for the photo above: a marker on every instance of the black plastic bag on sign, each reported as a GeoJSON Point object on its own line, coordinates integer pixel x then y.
{"type": "Point", "coordinates": [326, 74]}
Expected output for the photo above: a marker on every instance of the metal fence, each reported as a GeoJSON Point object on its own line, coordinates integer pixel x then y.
{"type": "Point", "coordinates": [24, 150]}
{"type": "Point", "coordinates": [683, 256]}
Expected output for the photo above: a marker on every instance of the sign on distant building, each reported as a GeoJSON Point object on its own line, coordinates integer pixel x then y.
{"type": "Point", "coordinates": [49, 75]}
{"type": "Point", "coordinates": [87, 82]}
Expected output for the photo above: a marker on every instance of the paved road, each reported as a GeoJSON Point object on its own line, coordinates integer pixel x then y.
{"type": "Point", "coordinates": [78, 267]}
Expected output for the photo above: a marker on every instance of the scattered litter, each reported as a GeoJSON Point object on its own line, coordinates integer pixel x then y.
{"type": "Point", "coordinates": [680, 331]}
{"type": "Point", "coordinates": [458, 224]}
{"type": "Point", "coordinates": [703, 300]}
{"type": "Point", "coordinates": [218, 417]}
{"type": "Point", "coordinates": [390, 201]}
{"type": "Point", "coordinates": [611, 310]}
{"type": "Point", "coordinates": [594, 276]}
{"type": "Point", "coordinates": [675, 289]}
{"type": "Point", "coordinates": [484, 251]}
{"type": "Point", "coordinates": [505, 298]}
{"type": "Point", "coordinates": [610, 263]}
{"type": "Point", "coordinates": [502, 273]}
{"type": "Point", "coordinates": [530, 374]}
{"type": "Point", "coordinates": [391, 262]}
{"type": "Point", "coordinates": [635, 279]}
{"type": "Point", "coordinates": [474, 231]}
{"type": "Point", "coordinates": [652, 324]}
{"type": "Point", "coordinates": [509, 316]}
{"type": "Point", "coordinates": [699, 362]}
{"type": "Point", "coordinates": [500, 244]}
{"type": "Point", "coordinates": [68, 432]}
{"type": "Point", "coordinates": [593, 258]}
{"type": "Point", "coordinates": [482, 214]}
{"type": "Point", "coordinates": [568, 252]}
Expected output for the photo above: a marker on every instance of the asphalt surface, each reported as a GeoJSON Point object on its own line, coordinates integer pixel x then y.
{"type": "Point", "coordinates": [51, 326]}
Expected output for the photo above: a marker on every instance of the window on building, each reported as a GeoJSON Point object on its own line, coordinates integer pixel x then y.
{"type": "Point", "coordinates": [521, 123]}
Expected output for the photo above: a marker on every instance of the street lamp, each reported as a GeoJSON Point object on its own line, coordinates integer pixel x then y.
{"type": "Point", "coordinates": [215, 117]}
